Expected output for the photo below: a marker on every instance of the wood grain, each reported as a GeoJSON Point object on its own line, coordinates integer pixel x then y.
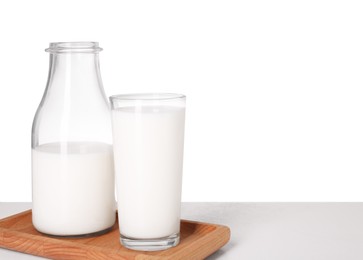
{"type": "Point", "coordinates": [198, 240]}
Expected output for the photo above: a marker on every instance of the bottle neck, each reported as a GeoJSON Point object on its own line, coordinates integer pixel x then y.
{"type": "Point", "coordinates": [75, 76]}
{"type": "Point", "coordinates": [75, 69]}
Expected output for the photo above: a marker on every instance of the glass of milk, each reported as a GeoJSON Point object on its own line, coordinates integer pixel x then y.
{"type": "Point", "coordinates": [148, 138]}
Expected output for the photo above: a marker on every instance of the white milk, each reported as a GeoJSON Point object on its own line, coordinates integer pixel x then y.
{"type": "Point", "coordinates": [148, 152]}
{"type": "Point", "coordinates": [73, 188]}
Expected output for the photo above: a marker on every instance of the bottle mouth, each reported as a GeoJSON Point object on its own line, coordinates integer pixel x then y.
{"type": "Point", "coordinates": [73, 47]}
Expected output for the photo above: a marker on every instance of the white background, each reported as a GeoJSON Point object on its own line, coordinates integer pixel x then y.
{"type": "Point", "coordinates": [274, 88]}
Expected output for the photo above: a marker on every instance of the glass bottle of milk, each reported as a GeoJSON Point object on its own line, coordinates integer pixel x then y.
{"type": "Point", "coordinates": [72, 160]}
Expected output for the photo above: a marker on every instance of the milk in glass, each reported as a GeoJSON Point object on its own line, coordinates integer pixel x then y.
{"type": "Point", "coordinates": [148, 152]}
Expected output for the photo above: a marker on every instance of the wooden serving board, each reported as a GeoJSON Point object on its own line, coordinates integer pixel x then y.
{"type": "Point", "coordinates": [198, 240]}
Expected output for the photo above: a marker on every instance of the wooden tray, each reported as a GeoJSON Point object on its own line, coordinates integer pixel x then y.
{"type": "Point", "coordinates": [198, 240]}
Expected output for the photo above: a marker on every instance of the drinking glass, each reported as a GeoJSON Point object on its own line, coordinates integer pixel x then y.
{"type": "Point", "coordinates": [148, 137]}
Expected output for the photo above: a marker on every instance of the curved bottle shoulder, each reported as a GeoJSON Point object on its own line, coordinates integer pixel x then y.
{"type": "Point", "coordinates": [72, 119]}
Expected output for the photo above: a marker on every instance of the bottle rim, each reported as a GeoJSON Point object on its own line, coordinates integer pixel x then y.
{"type": "Point", "coordinates": [73, 47]}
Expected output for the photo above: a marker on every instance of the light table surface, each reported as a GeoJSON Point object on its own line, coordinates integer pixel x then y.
{"type": "Point", "coordinates": [271, 231]}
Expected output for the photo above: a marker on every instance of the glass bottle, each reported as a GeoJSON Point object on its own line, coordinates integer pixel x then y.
{"type": "Point", "coordinates": [72, 160]}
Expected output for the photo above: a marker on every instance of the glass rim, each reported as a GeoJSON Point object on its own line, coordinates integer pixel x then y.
{"type": "Point", "coordinates": [146, 96]}
{"type": "Point", "coordinates": [74, 47]}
